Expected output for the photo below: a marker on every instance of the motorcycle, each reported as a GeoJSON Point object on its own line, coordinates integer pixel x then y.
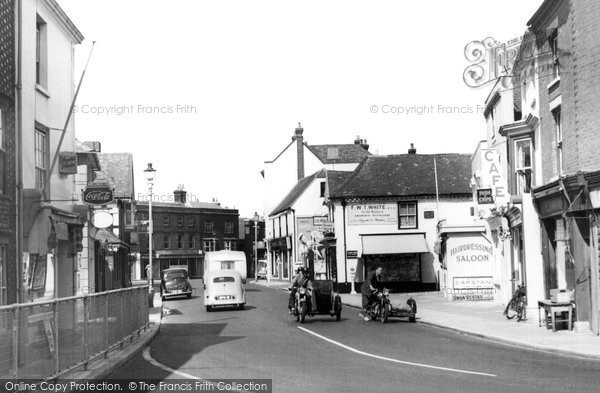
{"type": "Point", "coordinates": [302, 305]}
{"type": "Point", "coordinates": [380, 307]}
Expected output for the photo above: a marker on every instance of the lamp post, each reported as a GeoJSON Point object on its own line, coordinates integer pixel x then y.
{"type": "Point", "coordinates": [150, 177]}
{"type": "Point", "coordinates": [256, 218]}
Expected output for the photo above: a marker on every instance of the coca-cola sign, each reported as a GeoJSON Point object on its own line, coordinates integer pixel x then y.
{"type": "Point", "coordinates": [97, 195]}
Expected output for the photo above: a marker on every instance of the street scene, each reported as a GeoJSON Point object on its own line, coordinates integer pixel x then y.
{"type": "Point", "coordinates": [277, 197]}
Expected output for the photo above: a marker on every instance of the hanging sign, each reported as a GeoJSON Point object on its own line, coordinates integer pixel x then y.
{"type": "Point", "coordinates": [98, 195]}
{"type": "Point", "coordinates": [102, 219]}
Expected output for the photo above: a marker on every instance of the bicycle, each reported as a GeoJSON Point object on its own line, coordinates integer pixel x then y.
{"type": "Point", "coordinates": [517, 307]}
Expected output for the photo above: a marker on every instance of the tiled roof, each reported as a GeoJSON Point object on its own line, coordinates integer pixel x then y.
{"type": "Point", "coordinates": [335, 180]}
{"type": "Point", "coordinates": [188, 204]}
{"type": "Point", "coordinates": [296, 192]}
{"type": "Point", "coordinates": [409, 175]}
{"type": "Point", "coordinates": [117, 170]}
{"type": "Point", "coordinates": [345, 153]}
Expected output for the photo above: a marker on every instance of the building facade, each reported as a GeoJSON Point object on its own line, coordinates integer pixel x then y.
{"type": "Point", "coordinates": [387, 213]}
{"type": "Point", "coordinates": [8, 218]}
{"type": "Point", "coordinates": [184, 231]}
{"type": "Point", "coordinates": [255, 252]}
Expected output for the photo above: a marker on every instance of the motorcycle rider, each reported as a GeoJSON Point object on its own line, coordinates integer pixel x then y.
{"type": "Point", "coordinates": [301, 279]}
{"type": "Point", "coordinates": [368, 288]}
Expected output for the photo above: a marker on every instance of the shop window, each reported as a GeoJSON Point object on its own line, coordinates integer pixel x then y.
{"type": "Point", "coordinates": [407, 215]}
{"type": "Point", "coordinates": [559, 139]}
{"type": "Point", "coordinates": [523, 165]}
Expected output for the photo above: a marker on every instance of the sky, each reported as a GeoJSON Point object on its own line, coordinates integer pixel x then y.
{"type": "Point", "coordinates": [207, 91]}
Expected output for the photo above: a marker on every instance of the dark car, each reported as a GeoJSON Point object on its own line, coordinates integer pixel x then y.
{"type": "Point", "coordinates": [175, 282]}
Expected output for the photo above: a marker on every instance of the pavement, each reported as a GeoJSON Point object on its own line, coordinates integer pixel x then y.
{"type": "Point", "coordinates": [485, 319]}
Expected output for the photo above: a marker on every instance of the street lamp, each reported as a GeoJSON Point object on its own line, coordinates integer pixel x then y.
{"type": "Point", "coordinates": [150, 178]}
{"type": "Point", "coordinates": [256, 218]}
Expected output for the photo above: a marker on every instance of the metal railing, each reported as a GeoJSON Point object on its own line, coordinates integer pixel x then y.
{"type": "Point", "coordinates": [46, 339]}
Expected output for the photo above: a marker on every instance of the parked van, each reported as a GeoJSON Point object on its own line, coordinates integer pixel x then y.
{"type": "Point", "coordinates": [223, 288]}
{"type": "Point", "coordinates": [225, 260]}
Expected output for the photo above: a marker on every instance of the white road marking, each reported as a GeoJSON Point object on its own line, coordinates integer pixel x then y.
{"type": "Point", "coordinates": [155, 363]}
{"type": "Point", "coordinates": [393, 360]}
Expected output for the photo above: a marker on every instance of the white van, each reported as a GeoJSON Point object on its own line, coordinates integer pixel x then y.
{"type": "Point", "coordinates": [223, 288]}
{"type": "Point", "coordinates": [225, 260]}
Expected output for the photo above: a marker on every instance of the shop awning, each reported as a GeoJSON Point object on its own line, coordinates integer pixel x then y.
{"type": "Point", "coordinates": [394, 244]}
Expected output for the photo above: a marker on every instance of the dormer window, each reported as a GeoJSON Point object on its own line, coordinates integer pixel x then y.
{"type": "Point", "coordinates": [333, 152]}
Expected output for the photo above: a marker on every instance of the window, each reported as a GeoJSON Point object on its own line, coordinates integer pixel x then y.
{"type": "Point", "coordinates": [2, 156]}
{"type": "Point", "coordinates": [229, 245]}
{"type": "Point", "coordinates": [179, 221]}
{"type": "Point", "coordinates": [559, 139]}
{"type": "Point", "coordinates": [407, 215]}
{"type": "Point", "coordinates": [333, 152]}
{"type": "Point", "coordinates": [228, 227]}
{"type": "Point", "coordinates": [209, 227]}
{"type": "Point", "coordinates": [209, 245]}
{"type": "Point", "coordinates": [166, 242]}
{"type": "Point", "coordinates": [41, 157]}
{"type": "Point", "coordinates": [2, 275]}
{"type": "Point", "coordinates": [180, 242]}
{"type": "Point", "coordinates": [191, 221]}
{"type": "Point", "coordinates": [166, 221]}
{"type": "Point", "coordinates": [191, 242]}
{"type": "Point", "coordinates": [322, 189]}
{"type": "Point", "coordinates": [555, 56]}
{"type": "Point", "coordinates": [247, 229]}
{"type": "Point", "coordinates": [41, 53]}
{"type": "Point", "coordinates": [523, 165]}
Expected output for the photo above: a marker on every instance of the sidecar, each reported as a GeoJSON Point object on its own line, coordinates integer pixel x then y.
{"type": "Point", "coordinates": [407, 310]}
{"type": "Point", "coordinates": [324, 301]}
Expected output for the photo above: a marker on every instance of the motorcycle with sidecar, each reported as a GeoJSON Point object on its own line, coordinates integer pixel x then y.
{"type": "Point", "coordinates": [322, 300]}
{"type": "Point", "coordinates": [381, 308]}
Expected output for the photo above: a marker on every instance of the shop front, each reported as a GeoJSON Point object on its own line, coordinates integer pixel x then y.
{"type": "Point", "coordinates": [569, 226]}
{"type": "Point", "coordinates": [400, 255]}
{"type": "Point", "coordinates": [281, 258]}
{"type": "Point", "coordinates": [190, 260]}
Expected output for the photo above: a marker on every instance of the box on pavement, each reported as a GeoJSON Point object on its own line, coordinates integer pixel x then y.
{"type": "Point", "coordinates": [560, 296]}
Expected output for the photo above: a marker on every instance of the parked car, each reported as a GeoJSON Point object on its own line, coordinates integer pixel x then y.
{"type": "Point", "coordinates": [175, 282]}
{"type": "Point", "coordinates": [224, 288]}
{"type": "Point", "coordinates": [262, 270]}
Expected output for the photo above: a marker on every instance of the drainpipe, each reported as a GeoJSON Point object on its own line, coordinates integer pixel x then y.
{"type": "Point", "coordinates": [20, 295]}
{"type": "Point", "coordinates": [344, 227]}
{"type": "Point", "coordinates": [294, 245]}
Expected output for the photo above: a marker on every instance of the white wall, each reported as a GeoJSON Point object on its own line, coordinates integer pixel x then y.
{"type": "Point", "coordinates": [455, 211]}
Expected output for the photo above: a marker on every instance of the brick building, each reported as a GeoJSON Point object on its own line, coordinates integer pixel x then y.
{"type": "Point", "coordinates": [184, 231]}
{"type": "Point", "coordinates": [567, 77]}
{"type": "Point", "coordinates": [7, 154]}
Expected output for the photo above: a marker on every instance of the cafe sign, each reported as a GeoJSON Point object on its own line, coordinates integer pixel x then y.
{"type": "Point", "coordinates": [98, 195]}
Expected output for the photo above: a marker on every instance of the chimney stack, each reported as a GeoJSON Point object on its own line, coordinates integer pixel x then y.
{"type": "Point", "coordinates": [412, 149]}
{"type": "Point", "coordinates": [300, 149]}
{"type": "Point", "coordinates": [362, 142]}
{"type": "Point", "coordinates": [180, 194]}
{"type": "Point", "coordinates": [93, 146]}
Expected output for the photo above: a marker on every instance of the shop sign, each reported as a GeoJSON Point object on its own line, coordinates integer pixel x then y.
{"type": "Point", "coordinates": [492, 175]}
{"type": "Point", "coordinates": [428, 214]}
{"type": "Point", "coordinates": [67, 163]}
{"type": "Point", "coordinates": [473, 288]}
{"type": "Point", "coordinates": [373, 214]}
{"type": "Point", "coordinates": [551, 206]}
{"type": "Point", "coordinates": [351, 254]}
{"type": "Point", "coordinates": [484, 196]}
{"type": "Point", "coordinates": [471, 252]}
{"type": "Point", "coordinates": [102, 219]}
{"type": "Point", "coordinates": [98, 195]}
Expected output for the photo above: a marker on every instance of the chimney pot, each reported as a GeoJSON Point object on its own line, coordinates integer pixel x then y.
{"type": "Point", "coordinates": [362, 142]}
{"type": "Point", "coordinates": [412, 149]}
{"type": "Point", "coordinates": [180, 195]}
